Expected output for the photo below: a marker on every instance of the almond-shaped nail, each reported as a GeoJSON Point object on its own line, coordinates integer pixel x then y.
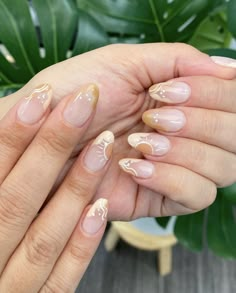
{"type": "Point", "coordinates": [99, 152]}
{"type": "Point", "coordinates": [150, 143]}
{"type": "Point", "coordinates": [224, 61]}
{"type": "Point", "coordinates": [170, 92]}
{"type": "Point", "coordinates": [81, 106]}
{"type": "Point", "coordinates": [32, 108]}
{"type": "Point", "coordinates": [138, 168]}
{"type": "Point", "coordinates": [170, 120]}
{"type": "Point", "coordinates": [96, 217]}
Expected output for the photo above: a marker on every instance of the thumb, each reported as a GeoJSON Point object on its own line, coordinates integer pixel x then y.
{"type": "Point", "coordinates": [164, 61]}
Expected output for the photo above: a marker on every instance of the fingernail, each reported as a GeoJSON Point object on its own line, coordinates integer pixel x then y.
{"type": "Point", "coordinates": [150, 143]}
{"type": "Point", "coordinates": [99, 152]}
{"type": "Point", "coordinates": [137, 168]}
{"type": "Point", "coordinates": [96, 216]}
{"type": "Point", "coordinates": [170, 120]}
{"type": "Point", "coordinates": [80, 108]}
{"type": "Point", "coordinates": [170, 92]}
{"type": "Point", "coordinates": [33, 107]}
{"type": "Point", "coordinates": [224, 61]}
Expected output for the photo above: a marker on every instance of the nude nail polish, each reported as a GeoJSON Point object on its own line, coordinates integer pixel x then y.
{"type": "Point", "coordinates": [150, 143]}
{"type": "Point", "coordinates": [170, 120]}
{"type": "Point", "coordinates": [33, 107]}
{"type": "Point", "coordinates": [170, 92]}
{"type": "Point", "coordinates": [99, 152]}
{"type": "Point", "coordinates": [138, 168]}
{"type": "Point", "coordinates": [81, 106]}
{"type": "Point", "coordinates": [96, 217]}
{"type": "Point", "coordinates": [224, 61]}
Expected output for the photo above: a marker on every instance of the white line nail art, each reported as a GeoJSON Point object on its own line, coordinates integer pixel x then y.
{"type": "Point", "coordinates": [100, 208]}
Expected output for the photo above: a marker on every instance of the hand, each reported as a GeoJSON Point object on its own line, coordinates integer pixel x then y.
{"type": "Point", "coordinates": [124, 73]}
{"type": "Point", "coordinates": [197, 143]}
{"type": "Point", "coordinates": [49, 251]}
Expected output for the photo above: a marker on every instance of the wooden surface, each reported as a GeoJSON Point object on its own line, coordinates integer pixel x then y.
{"type": "Point", "coordinates": [140, 240]}
{"type": "Point", "coordinates": [127, 270]}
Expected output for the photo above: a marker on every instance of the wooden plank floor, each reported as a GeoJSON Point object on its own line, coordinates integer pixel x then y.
{"type": "Point", "coordinates": [127, 270]}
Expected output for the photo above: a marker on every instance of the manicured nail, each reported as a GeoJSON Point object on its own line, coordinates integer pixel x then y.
{"type": "Point", "coordinates": [150, 143]}
{"type": "Point", "coordinates": [33, 107]}
{"type": "Point", "coordinates": [137, 168]}
{"type": "Point", "coordinates": [224, 61]}
{"type": "Point", "coordinates": [170, 92]}
{"type": "Point", "coordinates": [80, 108]}
{"type": "Point", "coordinates": [170, 120]}
{"type": "Point", "coordinates": [96, 216]}
{"type": "Point", "coordinates": [99, 152]}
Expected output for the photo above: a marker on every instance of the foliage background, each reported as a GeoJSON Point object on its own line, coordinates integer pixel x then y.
{"type": "Point", "coordinates": [36, 34]}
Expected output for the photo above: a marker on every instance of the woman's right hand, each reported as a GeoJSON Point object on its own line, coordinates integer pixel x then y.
{"type": "Point", "coordinates": [48, 251]}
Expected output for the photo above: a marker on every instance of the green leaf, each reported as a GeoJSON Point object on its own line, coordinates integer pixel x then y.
{"type": "Point", "coordinates": [212, 33]}
{"type": "Point", "coordinates": [34, 37]}
{"type": "Point", "coordinates": [221, 228]}
{"type": "Point", "coordinates": [90, 35]}
{"type": "Point", "coordinates": [229, 193]}
{"type": "Point", "coordinates": [222, 52]}
{"type": "Point", "coordinates": [163, 221]}
{"type": "Point", "coordinates": [189, 230]}
{"type": "Point", "coordinates": [151, 20]}
{"type": "Point", "coordinates": [231, 9]}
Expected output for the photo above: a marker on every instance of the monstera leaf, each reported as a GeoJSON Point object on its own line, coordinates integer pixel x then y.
{"type": "Point", "coordinates": [212, 33]}
{"type": "Point", "coordinates": [151, 20]}
{"type": "Point", "coordinates": [36, 35]}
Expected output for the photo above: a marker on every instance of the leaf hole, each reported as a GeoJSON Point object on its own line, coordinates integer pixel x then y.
{"type": "Point", "coordinates": [35, 20]}
{"type": "Point", "coordinates": [186, 23]}
{"type": "Point", "coordinates": [220, 29]}
{"type": "Point", "coordinates": [6, 54]}
{"type": "Point", "coordinates": [165, 15]}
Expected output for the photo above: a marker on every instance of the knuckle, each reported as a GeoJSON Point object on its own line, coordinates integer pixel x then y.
{"type": "Point", "coordinates": [12, 138]}
{"type": "Point", "coordinates": [198, 156]}
{"type": "Point", "coordinates": [79, 253]}
{"type": "Point", "coordinates": [53, 142]}
{"type": "Point", "coordinates": [53, 287]}
{"type": "Point", "coordinates": [79, 187]}
{"type": "Point", "coordinates": [212, 125]}
{"type": "Point", "coordinates": [40, 248]}
{"type": "Point", "coordinates": [12, 207]}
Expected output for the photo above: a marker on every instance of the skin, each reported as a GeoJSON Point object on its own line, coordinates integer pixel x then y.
{"type": "Point", "coordinates": [36, 247]}
{"type": "Point", "coordinates": [123, 74]}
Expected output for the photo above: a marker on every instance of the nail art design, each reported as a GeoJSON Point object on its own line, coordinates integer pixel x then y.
{"type": "Point", "coordinates": [100, 151]}
{"type": "Point", "coordinates": [149, 143]}
{"type": "Point", "coordinates": [79, 109]}
{"type": "Point", "coordinates": [99, 208]}
{"type": "Point", "coordinates": [35, 105]}
{"type": "Point", "coordinates": [136, 167]}
{"type": "Point", "coordinates": [169, 120]}
{"type": "Point", "coordinates": [170, 92]}
{"type": "Point", "coordinates": [126, 165]}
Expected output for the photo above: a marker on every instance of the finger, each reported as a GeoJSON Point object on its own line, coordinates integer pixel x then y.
{"type": "Point", "coordinates": [177, 185]}
{"type": "Point", "coordinates": [156, 63]}
{"type": "Point", "coordinates": [209, 126]}
{"type": "Point", "coordinates": [30, 181]}
{"type": "Point", "coordinates": [51, 230]}
{"type": "Point", "coordinates": [208, 161]}
{"type": "Point", "coordinates": [20, 125]}
{"type": "Point", "coordinates": [79, 250]}
{"type": "Point", "coordinates": [193, 92]}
